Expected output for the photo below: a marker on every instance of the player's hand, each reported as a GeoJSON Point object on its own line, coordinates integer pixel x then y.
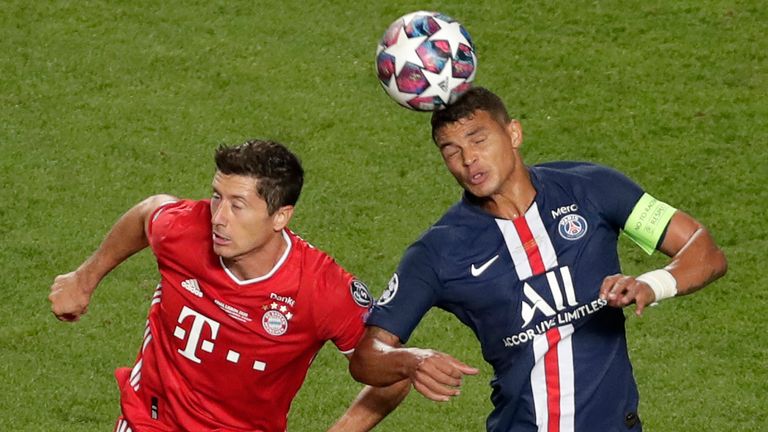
{"type": "Point", "coordinates": [70, 296]}
{"type": "Point", "coordinates": [621, 290]}
{"type": "Point", "coordinates": [438, 376]}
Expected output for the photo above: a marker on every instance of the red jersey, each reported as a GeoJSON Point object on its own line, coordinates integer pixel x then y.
{"type": "Point", "coordinates": [221, 353]}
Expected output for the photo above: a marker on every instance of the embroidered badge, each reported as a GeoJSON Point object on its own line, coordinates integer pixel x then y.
{"type": "Point", "coordinates": [391, 290]}
{"type": "Point", "coordinates": [274, 322]}
{"type": "Point", "coordinates": [572, 227]}
{"type": "Point", "coordinates": [360, 293]}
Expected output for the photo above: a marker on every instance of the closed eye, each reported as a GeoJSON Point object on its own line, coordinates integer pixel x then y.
{"type": "Point", "coordinates": [449, 151]}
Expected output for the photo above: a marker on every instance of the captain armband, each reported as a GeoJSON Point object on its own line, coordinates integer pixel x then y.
{"type": "Point", "coordinates": [647, 222]}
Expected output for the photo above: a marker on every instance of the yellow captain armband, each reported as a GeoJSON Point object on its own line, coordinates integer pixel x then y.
{"type": "Point", "coordinates": [647, 222]}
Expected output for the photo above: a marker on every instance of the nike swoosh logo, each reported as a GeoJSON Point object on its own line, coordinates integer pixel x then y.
{"type": "Point", "coordinates": [477, 271]}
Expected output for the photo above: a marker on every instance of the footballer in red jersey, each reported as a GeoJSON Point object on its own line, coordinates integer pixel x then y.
{"type": "Point", "coordinates": [242, 307]}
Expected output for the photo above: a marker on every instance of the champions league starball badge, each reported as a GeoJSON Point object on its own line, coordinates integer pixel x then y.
{"type": "Point", "coordinates": [391, 290]}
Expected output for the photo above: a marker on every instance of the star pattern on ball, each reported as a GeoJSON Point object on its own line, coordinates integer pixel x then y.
{"type": "Point", "coordinates": [441, 84]}
{"type": "Point", "coordinates": [405, 50]}
{"type": "Point", "coordinates": [395, 92]}
{"type": "Point", "coordinates": [447, 31]}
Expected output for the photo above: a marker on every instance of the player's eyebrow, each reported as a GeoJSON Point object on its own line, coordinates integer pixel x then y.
{"type": "Point", "coordinates": [238, 197]}
{"type": "Point", "coordinates": [475, 131]}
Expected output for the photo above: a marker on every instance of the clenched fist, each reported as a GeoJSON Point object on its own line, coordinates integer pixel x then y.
{"type": "Point", "coordinates": [70, 296]}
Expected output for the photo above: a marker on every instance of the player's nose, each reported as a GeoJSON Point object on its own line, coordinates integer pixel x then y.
{"type": "Point", "coordinates": [218, 216]}
{"type": "Point", "coordinates": [469, 156]}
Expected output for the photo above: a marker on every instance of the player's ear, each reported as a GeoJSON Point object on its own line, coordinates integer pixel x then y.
{"type": "Point", "coordinates": [281, 217]}
{"type": "Point", "coordinates": [515, 131]}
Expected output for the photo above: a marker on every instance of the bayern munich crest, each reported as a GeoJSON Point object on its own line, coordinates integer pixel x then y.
{"type": "Point", "coordinates": [274, 322]}
{"type": "Point", "coordinates": [572, 227]}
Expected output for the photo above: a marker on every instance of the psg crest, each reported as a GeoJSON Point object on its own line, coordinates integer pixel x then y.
{"type": "Point", "coordinates": [572, 227]}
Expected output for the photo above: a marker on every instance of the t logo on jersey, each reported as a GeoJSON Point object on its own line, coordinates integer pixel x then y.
{"type": "Point", "coordinates": [199, 322]}
{"type": "Point", "coordinates": [564, 296]}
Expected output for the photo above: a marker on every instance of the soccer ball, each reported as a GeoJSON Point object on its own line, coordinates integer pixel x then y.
{"type": "Point", "coordinates": [426, 60]}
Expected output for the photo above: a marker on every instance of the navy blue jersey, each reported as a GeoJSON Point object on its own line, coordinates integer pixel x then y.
{"type": "Point", "coordinates": [529, 289]}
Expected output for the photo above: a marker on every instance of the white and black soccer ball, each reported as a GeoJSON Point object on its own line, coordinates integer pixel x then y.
{"type": "Point", "coordinates": [426, 60]}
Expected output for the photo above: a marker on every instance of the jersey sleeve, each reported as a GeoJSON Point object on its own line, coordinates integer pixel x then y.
{"type": "Point", "coordinates": [343, 301]}
{"type": "Point", "coordinates": [612, 193]}
{"type": "Point", "coordinates": [626, 205]}
{"type": "Point", "coordinates": [161, 223]}
{"type": "Point", "coordinates": [411, 292]}
{"type": "Point", "coordinates": [177, 222]}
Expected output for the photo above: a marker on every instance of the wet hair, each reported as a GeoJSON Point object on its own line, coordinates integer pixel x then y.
{"type": "Point", "coordinates": [277, 171]}
{"type": "Point", "coordinates": [474, 99]}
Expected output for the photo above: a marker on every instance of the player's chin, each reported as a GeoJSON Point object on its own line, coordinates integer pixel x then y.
{"type": "Point", "coordinates": [478, 191]}
{"type": "Point", "coordinates": [223, 251]}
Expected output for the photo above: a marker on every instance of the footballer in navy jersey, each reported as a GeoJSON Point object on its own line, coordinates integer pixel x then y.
{"type": "Point", "coordinates": [526, 284]}
{"type": "Point", "coordinates": [528, 260]}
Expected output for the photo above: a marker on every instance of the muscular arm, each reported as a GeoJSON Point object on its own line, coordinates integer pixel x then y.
{"type": "Point", "coordinates": [696, 261]}
{"type": "Point", "coordinates": [71, 292]}
{"type": "Point", "coordinates": [696, 258]}
{"type": "Point", "coordinates": [380, 360]}
{"type": "Point", "coordinates": [370, 406]}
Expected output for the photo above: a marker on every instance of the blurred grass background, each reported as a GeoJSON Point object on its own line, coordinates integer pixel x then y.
{"type": "Point", "coordinates": [103, 103]}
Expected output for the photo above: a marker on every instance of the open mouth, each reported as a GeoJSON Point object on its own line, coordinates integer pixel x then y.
{"type": "Point", "coordinates": [477, 178]}
{"type": "Point", "coordinates": [219, 239]}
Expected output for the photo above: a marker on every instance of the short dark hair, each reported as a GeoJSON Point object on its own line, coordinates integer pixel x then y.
{"type": "Point", "coordinates": [474, 99]}
{"type": "Point", "coordinates": [278, 172]}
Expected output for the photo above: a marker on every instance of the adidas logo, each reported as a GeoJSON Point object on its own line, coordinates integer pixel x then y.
{"type": "Point", "coordinates": [443, 85]}
{"type": "Point", "coordinates": [192, 286]}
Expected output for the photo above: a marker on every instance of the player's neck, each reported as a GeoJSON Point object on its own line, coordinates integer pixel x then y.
{"type": "Point", "coordinates": [514, 197]}
{"type": "Point", "coordinates": [260, 261]}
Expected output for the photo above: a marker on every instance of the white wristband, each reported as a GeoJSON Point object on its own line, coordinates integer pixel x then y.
{"type": "Point", "coordinates": [661, 282]}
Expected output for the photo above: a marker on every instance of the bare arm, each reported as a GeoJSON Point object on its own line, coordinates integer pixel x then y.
{"type": "Point", "coordinates": [696, 261]}
{"type": "Point", "coordinates": [380, 360]}
{"type": "Point", "coordinates": [71, 292]}
{"type": "Point", "coordinates": [370, 406]}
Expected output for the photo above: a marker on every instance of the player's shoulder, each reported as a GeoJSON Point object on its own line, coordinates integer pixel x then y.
{"type": "Point", "coordinates": [179, 217]}
{"type": "Point", "coordinates": [580, 177]}
{"type": "Point", "coordinates": [310, 256]}
{"type": "Point", "coordinates": [573, 171]}
{"type": "Point", "coordinates": [316, 264]}
{"type": "Point", "coordinates": [181, 208]}
{"type": "Point", "coordinates": [459, 226]}
{"type": "Point", "coordinates": [330, 282]}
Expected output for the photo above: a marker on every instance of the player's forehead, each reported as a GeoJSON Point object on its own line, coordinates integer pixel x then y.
{"type": "Point", "coordinates": [235, 185]}
{"type": "Point", "coordinates": [477, 122]}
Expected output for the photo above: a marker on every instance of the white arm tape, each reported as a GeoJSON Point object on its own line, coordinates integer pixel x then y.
{"type": "Point", "coordinates": [661, 282]}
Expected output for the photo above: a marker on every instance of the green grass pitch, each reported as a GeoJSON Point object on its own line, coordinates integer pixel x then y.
{"type": "Point", "coordinates": [103, 103]}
